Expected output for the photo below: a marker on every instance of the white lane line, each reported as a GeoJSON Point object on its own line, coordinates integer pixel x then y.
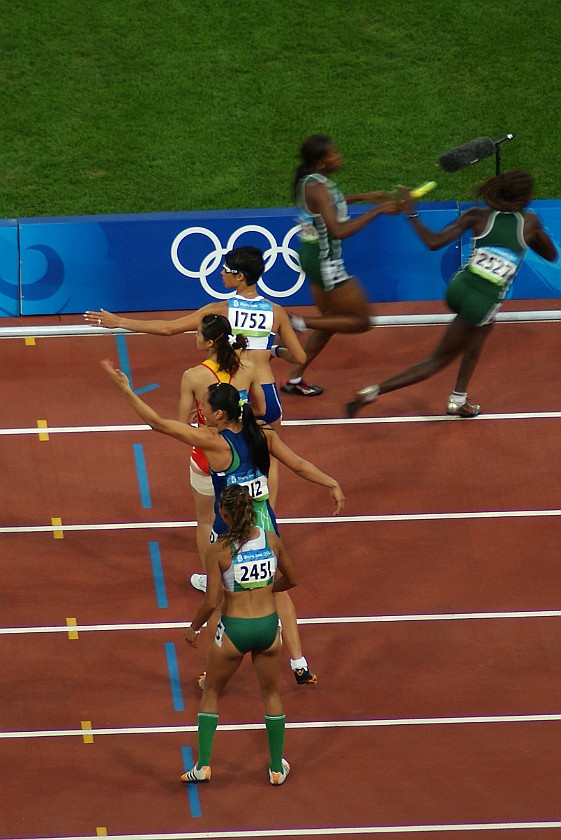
{"type": "Point", "coordinates": [348, 619]}
{"type": "Point", "coordinates": [333, 421]}
{"type": "Point", "coordinates": [329, 831]}
{"type": "Point", "coordinates": [76, 429]}
{"type": "Point", "coordinates": [310, 724]}
{"type": "Point", "coordinates": [398, 320]}
{"type": "Point", "coordinates": [300, 520]}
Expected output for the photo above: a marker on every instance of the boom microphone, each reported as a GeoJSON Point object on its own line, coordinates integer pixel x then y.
{"type": "Point", "coordinates": [504, 139]}
{"type": "Point", "coordinates": [467, 154]}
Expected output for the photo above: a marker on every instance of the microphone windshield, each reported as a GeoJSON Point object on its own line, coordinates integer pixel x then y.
{"type": "Point", "coordinates": [467, 154]}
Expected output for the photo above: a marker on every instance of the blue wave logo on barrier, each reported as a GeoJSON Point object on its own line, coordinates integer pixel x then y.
{"type": "Point", "coordinates": [46, 267]}
{"type": "Point", "coordinates": [52, 280]}
{"type": "Point", "coordinates": [61, 265]}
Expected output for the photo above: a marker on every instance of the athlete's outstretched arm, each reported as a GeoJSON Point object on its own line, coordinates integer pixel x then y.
{"type": "Point", "coordinates": [376, 197]}
{"type": "Point", "coordinates": [187, 323]}
{"type": "Point", "coordinates": [203, 437]}
{"type": "Point", "coordinates": [435, 239]}
{"type": "Point", "coordinates": [319, 201]}
{"type": "Point", "coordinates": [305, 469]}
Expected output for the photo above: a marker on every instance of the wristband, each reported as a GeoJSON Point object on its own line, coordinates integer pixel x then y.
{"type": "Point", "coordinates": [275, 349]}
{"type": "Point", "coordinates": [196, 632]}
{"type": "Point", "coordinates": [413, 215]}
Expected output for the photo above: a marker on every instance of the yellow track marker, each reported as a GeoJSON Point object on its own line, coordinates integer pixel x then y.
{"type": "Point", "coordinates": [42, 424]}
{"type": "Point", "coordinates": [101, 831]}
{"type": "Point", "coordinates": [58, 533]}
{"type": "Point", "coordinates": [87, 737]}
{"type": "Point", "coordinates": [30, 341]}
{"type": "Point", "coordinates": [71, 622]}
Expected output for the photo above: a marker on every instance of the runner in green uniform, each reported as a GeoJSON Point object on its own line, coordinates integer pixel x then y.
{"type": "Point", "coordinates": [324, 222]}
{"type": "Point", "coordinates": [502, 233]}
{"type": "Point", "coordinates": [242, 568]}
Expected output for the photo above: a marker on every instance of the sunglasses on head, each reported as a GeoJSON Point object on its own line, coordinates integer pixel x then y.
{"type": "Point", "coordinates": [227, 270]}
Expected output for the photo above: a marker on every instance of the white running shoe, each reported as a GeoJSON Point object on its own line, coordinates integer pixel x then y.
{"type": "Point", "coordinates": [277, 778]}
{"type": "Point", "coordinates": [197, 774]}
{"type": "Point", "coordinates": [199, 582]}
{"type": "Point", "coordinates": [298, 323]}
{"type": "Point", "coordinates": [465, 409]}
{"type": "Point", "coordinates": [362, 398]}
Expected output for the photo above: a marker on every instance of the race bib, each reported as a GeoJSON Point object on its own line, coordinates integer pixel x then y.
{"type": "Point", "coordinates": [341, 209]}
{"type": "Point", "coordinates": [255, 571]}
{"type": "Point", "coordinates": [256, 485]}
{"type": "Point", "coordinates": [251, 317]}
{"type": "Point", "coordinates": [308, 232]}
{"type": "Point", "coordinates": [495, 264]}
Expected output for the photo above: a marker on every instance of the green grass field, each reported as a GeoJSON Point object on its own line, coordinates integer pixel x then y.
{"type": "Point", "coordinates": [138, 106]}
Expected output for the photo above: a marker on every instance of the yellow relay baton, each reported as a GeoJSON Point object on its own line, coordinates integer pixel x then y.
{"type": "Point", "coordinates": [425, 188]}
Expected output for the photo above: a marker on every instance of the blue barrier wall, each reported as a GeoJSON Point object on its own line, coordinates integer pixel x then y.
{"type": "Point", "coordinates": [9, 269]}
{"type": "Point", "coordinates": [171, 261]}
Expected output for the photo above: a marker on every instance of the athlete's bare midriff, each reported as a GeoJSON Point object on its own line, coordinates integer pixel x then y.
{"type": "Point", "coordinates": [261, 360]}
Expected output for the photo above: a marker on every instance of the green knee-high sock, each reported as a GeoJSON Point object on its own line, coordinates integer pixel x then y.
{"type": "Point", "coordinates": [275, 736]}
{"type": "Point", "coordinates": [206, 729]}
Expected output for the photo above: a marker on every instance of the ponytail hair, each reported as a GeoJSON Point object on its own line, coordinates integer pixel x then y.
{"type": "Point", "coordinates": [236, 500]}
{"type": "Point", "coordinates": [216, 328]}
{"type": "Point", "coordinates": [226, 398]}
{"type": "Point", "coordinates": [312, 150]}
{"type": "Point", "coordinates": [508, 192]}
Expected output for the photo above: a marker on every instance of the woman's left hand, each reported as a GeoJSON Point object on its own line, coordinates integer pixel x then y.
{"type": "Point", "coordinates": [191, 637]}
{"type": "Point", "coordinates": [119, 378]}
{"type": "Point", "coordinates": [391, 208]}
{"type": "Point", "coordinates": [406, 199]}
{"type": "Point", "coordinates": [337, 494]}
{"type": "Point", "coordinates": [103, 318]}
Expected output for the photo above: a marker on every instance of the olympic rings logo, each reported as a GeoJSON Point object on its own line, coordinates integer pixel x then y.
{"type": "Point", "coordinates": [213, 260]}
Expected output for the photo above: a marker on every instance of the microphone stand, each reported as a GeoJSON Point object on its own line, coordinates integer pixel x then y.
{"type": "Point", "coordinates": [498, 143]}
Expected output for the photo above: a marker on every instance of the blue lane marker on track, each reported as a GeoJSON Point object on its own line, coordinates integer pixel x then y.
{"type": "Point", "coordinates": [145, 389]}
{"type": "Point", "coordinates": [142, 475]}
{"type": "Point", "coordinates": [173, 670]}
{"type": "Point", "coordinates": [124, 364]}
{"type": "Point", "coordinates": [194, 801]}
{"type": "Point", "coordinates": [158, 573]}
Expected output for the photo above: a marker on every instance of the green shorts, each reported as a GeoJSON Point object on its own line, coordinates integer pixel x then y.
{"type": "Point", "coordinates": [473, 298]}
{"type": "Point", "coordinates": [326, 273]}
{"type": "Point", "coordinates": [249, 634]}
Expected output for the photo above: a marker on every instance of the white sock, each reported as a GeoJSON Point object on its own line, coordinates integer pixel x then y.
{"type": "Point", "coordinates": [369, 394]}
{"type": "Point", "coordinates": [458, 398]}
{"type": "Point", "coordinates": [299, 664]}
{"type": "Point", "coordinates": [298, 323]}
{"type": "Point", "coordinates": [296, 381]}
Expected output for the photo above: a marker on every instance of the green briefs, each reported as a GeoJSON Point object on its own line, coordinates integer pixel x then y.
{"type": "Point", "coordinates": [251, 634]}
{"type": "Point", "coordinates": [473, 298]}
{"type": "Point", "coordinates": [326, 273]}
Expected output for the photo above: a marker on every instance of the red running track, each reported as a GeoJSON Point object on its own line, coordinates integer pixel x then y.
{"type": "Point", "coordinates": [430, 610]}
